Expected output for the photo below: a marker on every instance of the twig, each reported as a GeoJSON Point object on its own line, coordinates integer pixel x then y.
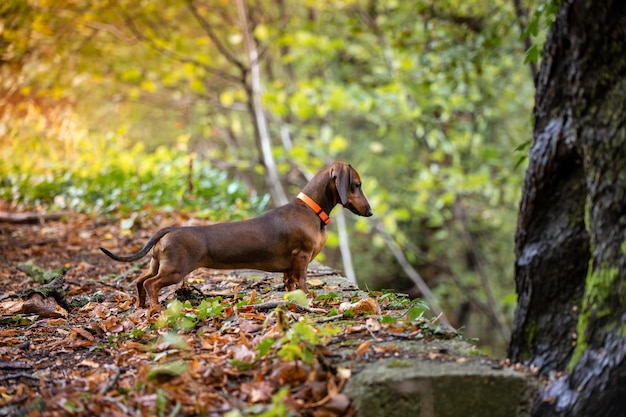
{"type": "Point", "coordinates": [480, 269]}
{"type": "Point", "coordinates": [30, 217]}
{"type": "Point", "coordinates": [121, 406]}
{"type": "Point", "coordinates": [331, 318]}
{"type": "Point", "coordinates": [19, 375]}
{"type": "Point", "coordinates": [221, 47]}
{"type": "Point", "coordinates": [113, 380]}
{"type": "Point", "coordinates": [14, 365]}
{"type": "Point", "coordinates": [411, 272]}
{"type": "Point", "coordinates": [436, 318]}
{"type": "Point", "coordinates": [270, 305]}
{"type": "Point", "coordinates": [132, 26]}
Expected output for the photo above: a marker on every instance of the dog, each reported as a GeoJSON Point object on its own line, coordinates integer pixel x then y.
{"type": "Point", "coordinates": [285, 239]}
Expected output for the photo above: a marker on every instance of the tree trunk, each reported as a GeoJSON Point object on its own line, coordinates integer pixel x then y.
{"type": "Point", "coordinates": [255, 104]}
{"type": "Point", "coordinates": [570, 241]}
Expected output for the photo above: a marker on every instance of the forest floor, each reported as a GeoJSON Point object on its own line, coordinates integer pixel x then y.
{"type": "Point", "coordinates": [236, 348]}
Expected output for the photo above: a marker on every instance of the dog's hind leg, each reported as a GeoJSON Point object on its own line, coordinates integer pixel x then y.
{"type": "Point", "coordinates": [165, 277]}
{"type": "Point", "coordinates": [141, 290]}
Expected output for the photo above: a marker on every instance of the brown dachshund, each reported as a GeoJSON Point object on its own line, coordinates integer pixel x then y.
{"type": "Point", "coordinates": [285, 239]}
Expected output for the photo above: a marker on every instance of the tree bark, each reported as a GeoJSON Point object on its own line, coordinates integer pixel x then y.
{"type": "Point", "coordinates": [570, 241]}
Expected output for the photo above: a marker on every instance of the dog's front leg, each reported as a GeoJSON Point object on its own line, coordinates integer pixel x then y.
{"type": "Point", "coordinates": [288, 280]}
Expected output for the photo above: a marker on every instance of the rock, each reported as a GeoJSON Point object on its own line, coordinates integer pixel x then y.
{"type": "Point", "coordinates": [440, 389]}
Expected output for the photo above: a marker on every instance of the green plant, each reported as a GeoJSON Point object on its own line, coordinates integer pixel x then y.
{"type": "Point", "coordinates": [300, 340]}
{"type": "Point", "coordinates": [129, 180]}
{"type": "Point", "coordinates": [211, 308]}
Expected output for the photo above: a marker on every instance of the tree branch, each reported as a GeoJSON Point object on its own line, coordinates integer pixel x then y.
{"type": "Point", "coordinates": [411, 272]}
{"type": "Point", "coordinates": [130, 23]}
{"type": "Point", "coordinates": [494, 312]}
{"type": "Point", "coordinates": [215, 39]}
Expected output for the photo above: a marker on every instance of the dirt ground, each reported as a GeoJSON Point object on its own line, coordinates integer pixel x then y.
{"type": "Point", "coordinates": [108, 358]}
{"type": "Point", "coordinates": [228, 344]}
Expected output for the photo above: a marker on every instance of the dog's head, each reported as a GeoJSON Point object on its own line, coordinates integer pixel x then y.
{"type": "Point", "coordinates": [348, 185]}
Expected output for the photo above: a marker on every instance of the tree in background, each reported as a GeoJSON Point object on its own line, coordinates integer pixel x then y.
{"type": "Point", "coordinates": [428, 99]}
{"type": "Point", "coordinates": [570, 241]}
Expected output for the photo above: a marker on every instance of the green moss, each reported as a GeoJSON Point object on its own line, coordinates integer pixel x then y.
{"type": "Point", "coordinates": [397, 363]}
{"type": "Point", "coordinates": [581, 342]}
{"type": "Point", "coordinates": [531, 336]}
{"type": "Point", "coordinates": [598, 288]}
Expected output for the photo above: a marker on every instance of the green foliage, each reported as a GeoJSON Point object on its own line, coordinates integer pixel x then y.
{"type": "Point", "coordinates": [264, 346]}
{"type": "Point", "coordinates": [297, 296]}
{"type": "Point", "coordinates": [301, 339]}
{"type": "Point", "coordinates": [429, 100]}
{"type": "Point", "coordinates": [210, 307]}
{"type": "Point", "coordinates": [278, 407]}
{"type": "Point", "coordinates": [166, 371]}
{"type": "Point", "coordinates": [179, 316]}
{"type": "Point", "coordinates": [545, 12]}
{"type": "Point", "coordinates": [130, 180]}
{"type": "Point", "coordinates": [41, 275]}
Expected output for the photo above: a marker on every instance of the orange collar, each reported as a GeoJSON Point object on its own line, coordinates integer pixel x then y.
{"type": "Point", "coordinates": [315, 207]}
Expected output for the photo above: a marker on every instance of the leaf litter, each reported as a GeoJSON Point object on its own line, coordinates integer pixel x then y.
{"type": "Point", "coordinates": [226, 343]}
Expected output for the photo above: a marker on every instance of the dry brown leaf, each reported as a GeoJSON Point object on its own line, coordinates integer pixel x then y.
{"type": "Point", "coordinates": [315, 282]}
{"type": "Point", "coordinates": [11, 307]}
{"type": "Point", "coordinates": [366, 306]}
{"type": "Point", "coordinates": [10, 332]}
{"type": "Point", "coordinates": [243, 353]}
{"type": "Point", "coordinates": [43, 307]}
{"type": "Point", "coordinates": [363, 348]}
{"type": "Point", "coordinates": [89, 364]}
{"type": "Point", "coordinates": [289, 373]}
{"type": "Point", "coordinates": [84, 333]}
{"type": "Point", "coordinates": [258, 391]}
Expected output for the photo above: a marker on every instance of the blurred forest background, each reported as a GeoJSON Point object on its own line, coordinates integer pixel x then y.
{"type": "Point", "coordinates": [222, 108]}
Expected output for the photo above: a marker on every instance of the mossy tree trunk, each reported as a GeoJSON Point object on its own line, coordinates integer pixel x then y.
{"type": "Point", "coordinates": [571, 234]}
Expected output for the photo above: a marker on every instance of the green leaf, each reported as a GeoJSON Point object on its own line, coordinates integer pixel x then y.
{"type": "Point", "coordinates": [167, 371]}
{"type": "Point", "coordinates": [264, 346]}
{"type": "Point", "coordinates": [415, 313]}
{"type": "Point", "coordinates": [532, 54]}
{"type": "Point", "coordinates": [388, 319]}
{"type": "Point", "coordinates": [298, 297]}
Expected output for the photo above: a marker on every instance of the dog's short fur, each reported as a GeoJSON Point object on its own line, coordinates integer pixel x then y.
{"type": "Point", "coordinates": [284, 239]}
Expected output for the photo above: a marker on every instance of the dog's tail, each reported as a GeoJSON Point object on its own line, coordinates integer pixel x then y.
{"type": "Point", "coordinates": [143, 251]}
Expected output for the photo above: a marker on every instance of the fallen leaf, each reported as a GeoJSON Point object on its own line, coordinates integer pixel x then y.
{"type": "Point", "coordinates": [367, 305]}
{"type": "Point", "coordinates": [315, 282]}
{"type": "Point", "coordinates": [258, 391]}
{"type": "Point", "coordinates": [242, 353]}
{"type": "Point", "coordinates": [363, 348]}
{"type": "Point", "coordinates": [166, 372]}
{"type": "Point", "coordinates": [337, 406]}
{"type": "Point", "coordinates": [84, 333]}
{"type": "Point", "coordinates": [343, 373]}
{"type": "Point", "coordinates": [9, 308]}
{"type": "Point", "coordinates": [44, 307]}
{"type": "Point", "coordinates": [89, 363]}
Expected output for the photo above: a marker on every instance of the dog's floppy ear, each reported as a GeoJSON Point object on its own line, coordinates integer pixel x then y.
{"type": "Point", "coordinates": [342, 174]}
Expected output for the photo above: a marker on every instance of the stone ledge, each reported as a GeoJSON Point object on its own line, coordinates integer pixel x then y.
{"type": "Point", "coordinates": [440, 389]}
{"type": "Point", "coordinates": [441, 377]}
